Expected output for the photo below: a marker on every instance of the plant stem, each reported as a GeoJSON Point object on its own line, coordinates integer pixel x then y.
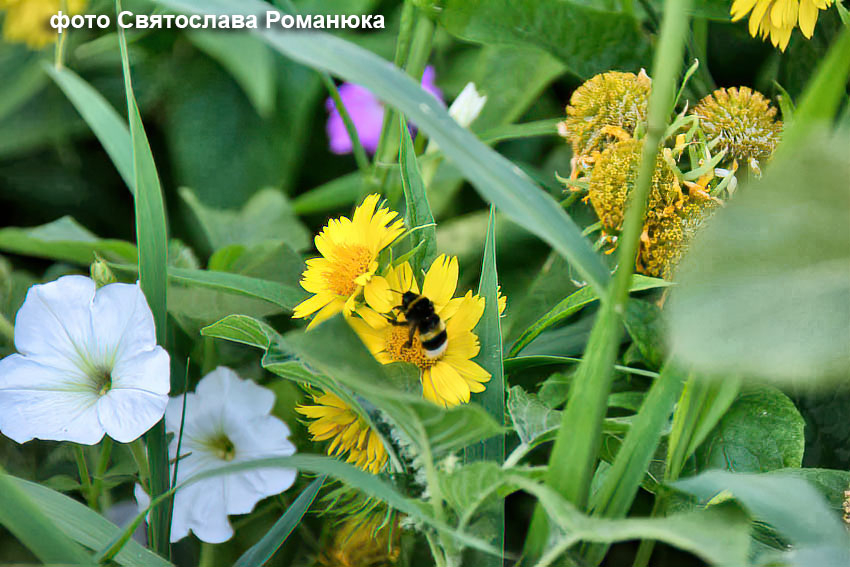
{"type": "Point", "coordinates": [60, 42]}
{"type": "Point", "coordinates": [359, 153]}
{"type": "Point", "coordinates": [85, 480]}
{"type": "Point", "coordinates": [102, 464]}
{"type": "Point", "coordinates": [207, 558]}
{"type": "Point", "coordinates": [7, 330]}
{"type": "Point", "coordinates": [574, 456]}
{"type": "Point", "coordinates": [137, 449]}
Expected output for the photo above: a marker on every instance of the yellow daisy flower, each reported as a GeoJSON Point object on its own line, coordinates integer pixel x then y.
{"type": "Point", "coordinates": [349, 249]}
{"type": "Point", "coordinates": [449, 378]}
{"type": "Point", "coordinates": [28, 21]}
{"type": "Point", "coordinates": [778, 18]}
{"type": "Point", "coordinates": [350, 433]}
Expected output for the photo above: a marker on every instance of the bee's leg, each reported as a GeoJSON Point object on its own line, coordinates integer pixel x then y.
{"type": "Point", "coordinates": [409, 342]}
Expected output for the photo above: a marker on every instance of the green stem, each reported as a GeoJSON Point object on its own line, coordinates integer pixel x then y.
{"type": "Point", "coordinates": [207, 558]}
{"type": "Point", "coordinates": [359, 153]}
{"type": "Point", "coordinates": [102, 464]}
{"type": "Point", "coordinates": [573, 459]}
{"type": "Point", "coordinates": [61, 40]}
{"type": "Point", "coordinates": [85, 479]}
{"type": "Point", "coordinates": [137, 450]}
{"type": "Point", "coordinates": [7, 330]}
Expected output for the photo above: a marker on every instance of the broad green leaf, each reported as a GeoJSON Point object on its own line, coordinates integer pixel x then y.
{"type": "Point", "coordinates": [152, 242]}
{"type": "Point", "coordinates": [66, 240]}
{"type": "Point", "coordinates": [830, 483]}
{"type": "Point", "coordinates": [242, 329]}
{"type": "Point", "coordinates": [760, 432]}
{"type": "Point", "coordinates": [532, 419]}
{"type": "Point", "coordinates": [480, 483]}
{"type": "Point", "coordinates": [764, 291]}
{"type": "Point", "coordinates": [109, 126]}
{"type": "Point", "coordinates": [418, 216]}
{"type": "Point", "coordinates": [557, 26]}
{"type": "Point", "coordinates": [85, 526]}
{"type": "Point", "coordinates": [34, 528]}
{"type": "Point", "coordinates": [645, 324]}
{"type": "Point", "coordinates": [336, 194]}
{"type": "Point", "coordinates": [790, 505]}
{"type": "Point", "coordinates": [23, 76]}
{"type": "Point", "coordinates": [266, 216]}
{"type": "Point", "coordinates": [247, 60]}
{"type": "Point", "coordinates": [263, 550]}
{"type": "Point", "coordinates": [572, 304]}
{"type": "Point", "coordinates": [497, 179]}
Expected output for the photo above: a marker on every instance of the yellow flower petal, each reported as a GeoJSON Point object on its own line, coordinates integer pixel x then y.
{"type": "Point", "coordinates": [378, 295]}
{"type": "Point", "coordinates": [441, 281]}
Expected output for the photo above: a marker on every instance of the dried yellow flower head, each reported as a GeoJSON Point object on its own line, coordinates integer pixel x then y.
{"type": "Point", "coordinates": [666, 234]}
{"type": "Point", "coordinates": [743, 120]}
{"type": "Point", "coordinates": [608, 102]}
{"type": "Point", "coordinates": [28, 21]}
{"type": "Point", "coordinates": [359, 543]}
{"type": "Point", "coordinates": [613, 177]}
{"type": "Point", "coordinates": [847, 506]}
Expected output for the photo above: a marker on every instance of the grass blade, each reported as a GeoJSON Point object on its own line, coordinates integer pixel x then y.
{"type": "Point", "coordinates": [264, 549]}
{"type": "Point", "coordinates": [418, 210]}
{"type": "Point", "coordinates": [102, 118]}
{"type": "Point", "coordinates": [29, 524]}
{"type": "Point", "coordinates": [152, 245]}
{"type": "Point", "coordinates": [496, 178]}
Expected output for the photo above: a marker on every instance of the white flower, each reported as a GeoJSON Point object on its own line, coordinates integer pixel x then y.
{"type": "Point", "coordinates": [227, 421]}
{"type": "Point", "coordinates": [467, 106]}
{"type": "Point", "coordinates": [88, 365]}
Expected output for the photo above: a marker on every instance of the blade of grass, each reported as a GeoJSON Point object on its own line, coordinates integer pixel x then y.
{"type": "Point", "coordinates": [109, 127]}
{"type": "Point", "coordinates": [572, 462]}
{"type": "Point", "coordinates": [34, 529]}
{"type": "Point", "coordinates": [418, 211]}
{"type": "Point", "coordinates": [152, 245]}
{"type": "Point", "coordinates": [490, 358]}
{"type": "Point", "coordinates": [263, 550]}
{"type": "Point", "coordinates": [497, 179]}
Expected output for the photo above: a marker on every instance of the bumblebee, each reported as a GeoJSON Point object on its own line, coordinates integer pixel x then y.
{"type": "Point", "coordinates": [420, 316]}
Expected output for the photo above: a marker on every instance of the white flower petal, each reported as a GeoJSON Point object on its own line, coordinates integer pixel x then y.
{"type": "Point", "coordinates": [149, 371]}
{"type": "Point", "coordinates": [207, 515]}
{"type": "Point", "coordinates": [467, 106]}
{"type": "Point", "coordinates": [122, 322]}
{"type": "Point", "coordinates": [126, 414]}
{"type": "Point", "coordinates": [174, 413]}
{"type": "Point", "coordinates": [244, 396]}
{"type": "Point", "coordinates": [43, 402]}
{"type": "Point", "coordinates": [240, 494]}
{"type": "Point", "coordinates": [54, 323]}
{"type": "Point", "coordinates": [265, 436]}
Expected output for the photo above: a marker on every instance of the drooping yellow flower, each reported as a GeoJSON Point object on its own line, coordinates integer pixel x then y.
{"type": "Point", "coordinates": [349, 249]}
{"type": "Point", "coordinates": [667, 233]}
{"type": "Point", "coordinates": [778, 18]}
{"type": "Point", "coordinates": [349, 433]}
{"type": "Point", "coordinates": [743, 121]}
{"type": "Point", "coordinates": [447, 379]}
{"type": "Point", "coordinates": [28, 21]}
{"type": "Point", "coordinates": [604, 109]}
{"type": "Point", "coordinates": [359, 543]}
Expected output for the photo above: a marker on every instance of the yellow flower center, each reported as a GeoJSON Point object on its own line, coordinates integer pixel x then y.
{"type": "Point", "coordinates": [222, 447]}
{"type": "Point", "coordinates": [102, 381]}
{"type": "Point", "coordinates": [397, 348]}
{"type": "Point", "coordinates": [350, 262]}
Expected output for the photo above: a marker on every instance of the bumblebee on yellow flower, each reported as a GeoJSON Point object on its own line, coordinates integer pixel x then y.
{"type": "Point", "coordinates": [448, 377]}
{"type": "Point", "coordinates": [778, 18]}
{"type": "Point", "coordinates": [349, 251]}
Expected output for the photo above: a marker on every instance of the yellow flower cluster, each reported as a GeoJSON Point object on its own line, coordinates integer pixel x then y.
{"type": "Point", "coordinates": [778, 18]}
{"type": "Point", "coordinates": [605, 121]}
{"type": "Point", "coordinates": [352, 276]}
{"type": "Point", "coordinates": [358, 543]}
{"type": "Point", "coordinates": [28, 21]}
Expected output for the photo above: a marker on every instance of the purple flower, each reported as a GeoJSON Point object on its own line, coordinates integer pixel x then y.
{"type": "Point", "coordinates": [366, 112]}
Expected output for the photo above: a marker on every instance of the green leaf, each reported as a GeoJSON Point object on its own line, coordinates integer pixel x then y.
{"type": "Point", "coordinates": [645, 324]}
{"type": "Point", "coordinates": [497, 179]}
{"type": "Point", "coordinates": [418, 216]}
{"type": "Point", "coordinates": [247, 60]}
{"type": "Point", "coordinates": [556, 26]}
{"type": "Point", "coordinates": [790, 505]}
{"type": "Point", "coordinates": [760, 432]}
{"type": "Point", "coordinates": [35, 527]}
{"type": "Point", "coordinates": [480, 483]}
{"type": "Point", "coordinates": [66, 240]}
{"type": "Point", "coordinates": [242, 329]}
{"type": "Point", "coordinates": [152, 243]}
{"type": "Point", "coordinates": [830, 483]}
{"type": "Point", "coordinates": [263, 550]}
{"type": "Point", "coordinates": [85, 526]}
{"type": "Point", "coordinates": [280, 294]}
{"type": "Point", "coordinates": [336, 194]}
{"type": "Point", "coordinates": [109, 126]}
{"type": "Point", "coordinates": [776, 306]}
{"type": "Point", "coordinates": [572, 304]}
{"type": "Point", "coordinates": [532, 419]}
{"type": "Point", "coordinates": [266, 216]}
